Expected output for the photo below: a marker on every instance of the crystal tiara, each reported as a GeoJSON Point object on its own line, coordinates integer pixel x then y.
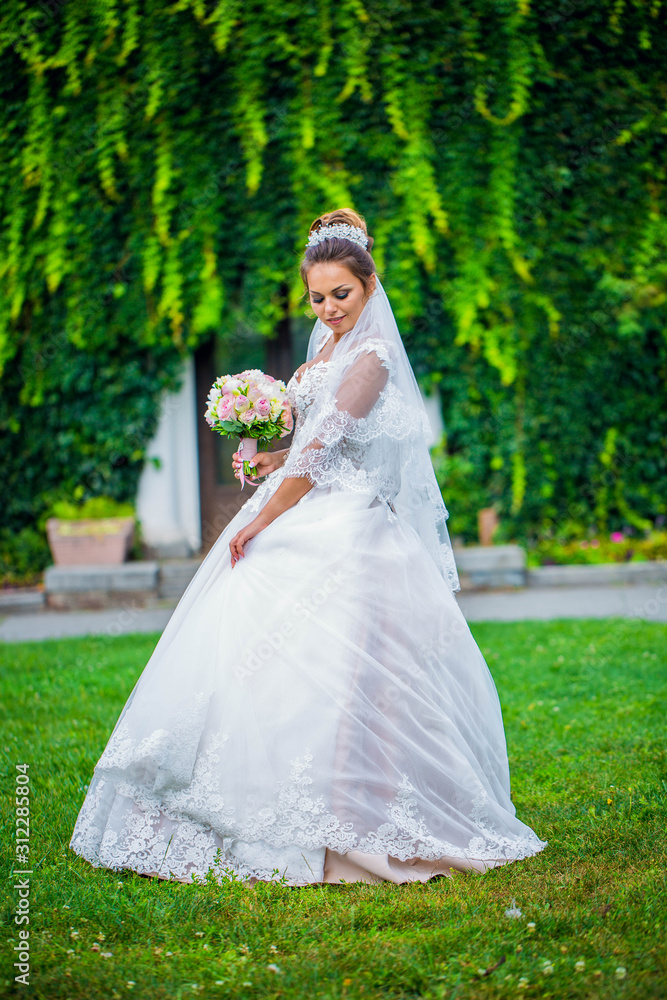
{"type": "Point", "coordinates": [339, 230]}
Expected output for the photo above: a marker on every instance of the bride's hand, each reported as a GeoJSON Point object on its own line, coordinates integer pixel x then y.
{"type": "Point", "coordinates": [243, 536]}
{"type": "Point", "coordinates": [263, 463]}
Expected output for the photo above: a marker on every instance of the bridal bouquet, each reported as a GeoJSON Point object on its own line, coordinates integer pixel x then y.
{"type": "Point", "coordinates": [252, 406]}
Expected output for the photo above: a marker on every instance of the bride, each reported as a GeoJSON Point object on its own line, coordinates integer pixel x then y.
{"type": "Point", "coordinates": [317, 709]}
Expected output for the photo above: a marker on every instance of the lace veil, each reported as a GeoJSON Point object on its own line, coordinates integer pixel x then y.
{"type": "Point", "coordinates": [364, 426]}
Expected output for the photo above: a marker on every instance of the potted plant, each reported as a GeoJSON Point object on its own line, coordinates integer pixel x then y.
{"type": "Point", "coordinates": [100, 530]}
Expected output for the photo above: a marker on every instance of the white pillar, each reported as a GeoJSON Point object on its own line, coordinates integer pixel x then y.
{"type": "Point", "coordinates": [434, 413]}
{"type": "Point", "coordinates": [168, 498]}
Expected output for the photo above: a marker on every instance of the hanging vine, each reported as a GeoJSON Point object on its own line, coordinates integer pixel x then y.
{"type": "Point", "coordinates": [160, 165]}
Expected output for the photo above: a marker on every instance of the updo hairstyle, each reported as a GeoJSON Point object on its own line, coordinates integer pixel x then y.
{"type": "Point", "coordinates": [340, 251]}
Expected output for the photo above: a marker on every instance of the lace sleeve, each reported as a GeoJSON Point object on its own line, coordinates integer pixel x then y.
{"type": "Point", "coordinates": [332, 441]}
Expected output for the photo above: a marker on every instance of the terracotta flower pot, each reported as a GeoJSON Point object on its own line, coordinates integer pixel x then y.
{"type": "Point", "coordinates": [92, 541]}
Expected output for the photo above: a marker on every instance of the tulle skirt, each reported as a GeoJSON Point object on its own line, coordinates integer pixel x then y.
{"type": "Point", "coordinates": [319, 713]}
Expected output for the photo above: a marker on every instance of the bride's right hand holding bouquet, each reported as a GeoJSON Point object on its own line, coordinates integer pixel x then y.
{"type": "Point", "coordinates": [255, 407]}
{"type": "Point", "coordinates": [263, 464]}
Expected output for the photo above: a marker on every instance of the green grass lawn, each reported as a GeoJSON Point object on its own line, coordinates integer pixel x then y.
{"type": "Point", "coordinates": [584, 710]}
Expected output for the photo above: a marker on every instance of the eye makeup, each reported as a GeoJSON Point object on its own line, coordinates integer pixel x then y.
{"type": "Point", "coordinates": [340, 295]}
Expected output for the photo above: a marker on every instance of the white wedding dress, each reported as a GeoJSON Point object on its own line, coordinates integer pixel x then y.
{"type": "Point", "coordinates": [319, 713]}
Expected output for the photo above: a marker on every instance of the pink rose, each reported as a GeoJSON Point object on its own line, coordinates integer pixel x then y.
{"type": "Point", "coordinates": [248, 416]}
{"type": "Point", "coordinates": [225, 408]}
{"type": "Point", "coordinates": [263, 406]}
{"type": "Point", "coordinates": [241, 404]}
{"type": "Point", "coordinates": [287, 418]}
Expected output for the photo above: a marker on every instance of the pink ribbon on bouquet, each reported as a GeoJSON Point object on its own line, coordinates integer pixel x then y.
{"type": "Point", "coordinates": [247, 450]}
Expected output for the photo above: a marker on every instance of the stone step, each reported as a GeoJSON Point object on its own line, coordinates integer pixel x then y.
{"type": "Point", "coordinates": [21, 599]}
{"type": "Point", "coordinates": [104, 586]}
{"type": "Point", "coordinates": [100, 586]}
{"type": "Point", "coordinates": [481, 567]}
{"type": "Point", "coordinates": [654, 571]}
{"type": "Point", "coordinates": [175, 575]}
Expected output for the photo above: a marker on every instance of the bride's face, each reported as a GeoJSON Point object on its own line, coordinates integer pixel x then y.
{"type": "Point", "coordinates": [336, 295]}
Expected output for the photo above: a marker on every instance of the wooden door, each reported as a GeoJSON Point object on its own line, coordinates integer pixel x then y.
{"type": "Point", "coordinates": [221, 494]}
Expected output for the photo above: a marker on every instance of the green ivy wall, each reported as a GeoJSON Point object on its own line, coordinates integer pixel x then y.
{"type": "Point", "coordinates": [161, 163]}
